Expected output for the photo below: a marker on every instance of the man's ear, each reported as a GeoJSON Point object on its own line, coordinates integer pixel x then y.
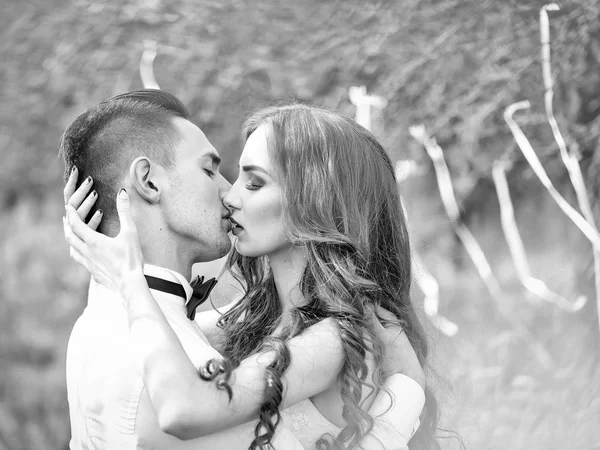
{"type": "Point", "coordinates": [147, 178]}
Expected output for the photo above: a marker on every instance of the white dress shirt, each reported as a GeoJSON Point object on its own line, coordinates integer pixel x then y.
{"type": "Point", "coordinates": [108, 405]}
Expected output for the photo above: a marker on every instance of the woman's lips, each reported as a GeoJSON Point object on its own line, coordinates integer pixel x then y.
{"type": "Point", "coordinates": [236, 227]}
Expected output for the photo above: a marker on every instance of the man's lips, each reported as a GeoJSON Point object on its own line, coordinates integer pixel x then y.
{"type": "Point", "coordinates": [226, 219]}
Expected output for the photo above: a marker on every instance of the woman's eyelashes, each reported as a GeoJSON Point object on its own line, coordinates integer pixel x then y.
{"type": "Point", "coordinates": [210, 173]}
{"type": "Point", "coordinates": [254, 184]}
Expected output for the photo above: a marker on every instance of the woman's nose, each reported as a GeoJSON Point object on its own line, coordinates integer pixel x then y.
{"type": "Point", "coordinates": [231, 199]}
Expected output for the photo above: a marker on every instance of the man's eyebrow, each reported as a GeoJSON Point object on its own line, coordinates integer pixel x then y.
{"type": "Point", "coordinates": [251, 167]}
{"type": "Point", "coordinates": [216, 160]}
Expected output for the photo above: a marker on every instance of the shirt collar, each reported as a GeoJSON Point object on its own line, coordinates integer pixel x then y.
{"type": "Point", "coordinates": [170, 275]}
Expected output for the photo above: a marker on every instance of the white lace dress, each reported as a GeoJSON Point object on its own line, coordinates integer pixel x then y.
{"type": "Point", "coordinates": [308, 425]}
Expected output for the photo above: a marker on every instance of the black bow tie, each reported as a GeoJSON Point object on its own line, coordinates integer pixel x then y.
{"type": "Point", "coordinates": [201, 291]}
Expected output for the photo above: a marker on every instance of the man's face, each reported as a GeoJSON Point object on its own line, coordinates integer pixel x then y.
{"type": "Point", "coordinates": [192, 204]}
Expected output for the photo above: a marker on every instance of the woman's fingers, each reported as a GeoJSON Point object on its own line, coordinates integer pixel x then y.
{"type": "Point", "coordinates": [95, 220]}
{"type": "Point", "coordinates": [80, 229]}
{"type": "Point", "coordinates": [78, 258]}
{"type": "Point", "coordinates": [375, 321]}
{"type": "Point", "coordinates": [124, 210]}
{"type": "Point", "coordinates": [73, 240]}
{"type": "Point", "coordinates": [78, 197]}
{"type": "Point", "coordinates": [87, 205]}
{"type": "Point", "coordinates": [69, 189]}
{"type": "Point", "coordinates": [386, 315]}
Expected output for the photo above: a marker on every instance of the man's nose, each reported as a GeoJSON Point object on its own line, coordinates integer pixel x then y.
{"type": "Point", "coordinates": [224, 186]}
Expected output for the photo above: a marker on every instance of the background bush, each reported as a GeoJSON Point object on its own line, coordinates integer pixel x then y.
{"type": "Point", "coordinates": [520, 374]}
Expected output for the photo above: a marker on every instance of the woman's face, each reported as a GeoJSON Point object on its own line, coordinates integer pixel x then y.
{"type": "Point", "coordinates": [255, 201]}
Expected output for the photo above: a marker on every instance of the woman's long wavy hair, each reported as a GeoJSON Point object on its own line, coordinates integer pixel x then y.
{"type": "Point", "coordinates": [341, 204]}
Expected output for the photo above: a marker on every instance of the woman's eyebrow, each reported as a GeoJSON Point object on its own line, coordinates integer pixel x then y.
{"type": "Point", "coordinates": [252, 167]}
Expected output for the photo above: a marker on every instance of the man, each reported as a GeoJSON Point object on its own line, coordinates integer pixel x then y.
{"type": "Point", "coordinates": [145, 140]}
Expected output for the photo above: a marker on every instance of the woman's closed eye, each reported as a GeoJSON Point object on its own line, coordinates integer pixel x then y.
{"type": "Point", "coordinates": [253, 186]}
{"type": "Point", "coordinates": [210, 173]}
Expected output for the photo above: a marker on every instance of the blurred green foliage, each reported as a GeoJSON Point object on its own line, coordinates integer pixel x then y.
{"type": "Point", "coordinates": [453, 65]}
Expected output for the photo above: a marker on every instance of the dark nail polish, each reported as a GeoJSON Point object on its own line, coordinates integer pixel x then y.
{"type": "Point", "coordinates": [73, 169]}
{"type": "Point", "coordinates": [100, 212]}
{"type": "Point", "coordinates": [94, 193]}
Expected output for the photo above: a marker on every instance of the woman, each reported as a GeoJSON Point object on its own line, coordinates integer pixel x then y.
{"type": "Point", "coordinates": [321, 238]}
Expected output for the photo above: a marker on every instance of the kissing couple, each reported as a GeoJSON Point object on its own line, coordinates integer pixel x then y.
{"type": "Point", "coordinates": [323, 349]}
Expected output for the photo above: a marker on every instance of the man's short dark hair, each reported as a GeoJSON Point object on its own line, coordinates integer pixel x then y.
{"type": "Point", "coordinates": [105, 139]}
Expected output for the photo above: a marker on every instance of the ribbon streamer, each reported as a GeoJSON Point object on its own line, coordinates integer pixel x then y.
{"type": "Point", "coordinates": [449, 200]}
{"type": "Point", "coordinates": [147, 64]}
{"type": "Point", "coordinates": [477, 256]}
{"type": "Point", "coordinates": [531, 157]}
{"type": "Point", "coordinates": [569, 159]}
{"type": "Point", "coordinates": [363, 103]}
{"type": "Point", "coordinates": [517, 249]}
